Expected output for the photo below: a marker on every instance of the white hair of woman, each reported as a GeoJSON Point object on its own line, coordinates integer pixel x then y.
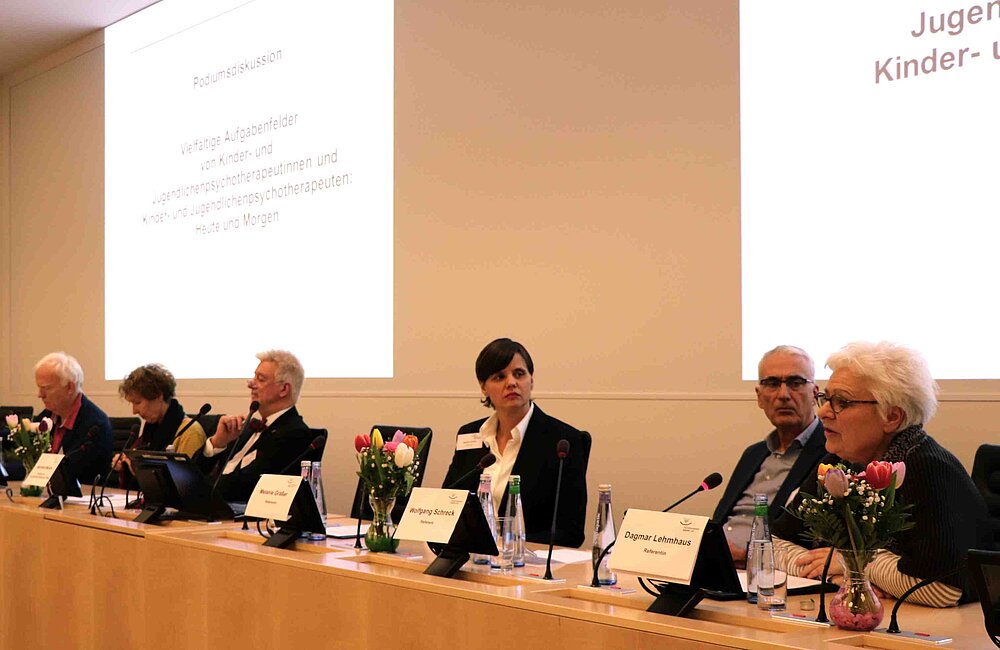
{"type": "Point", "coordinates": [897, 376]}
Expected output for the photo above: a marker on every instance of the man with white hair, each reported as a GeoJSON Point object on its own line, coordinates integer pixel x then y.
{"type": "Point", "coordinates": [779, 464]}
{"type": "Point", "coordinates": [81, 430]}
{"type": "Point", "coordinates": [276, 438]}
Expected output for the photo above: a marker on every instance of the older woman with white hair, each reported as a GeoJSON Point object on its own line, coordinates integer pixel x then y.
{"type": "Point", "coordinates": [875, 406]}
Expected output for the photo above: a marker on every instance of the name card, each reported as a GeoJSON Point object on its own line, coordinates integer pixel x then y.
{"type": "Point", "coordinates": [468, 441]}
{"type": "Point", "coordinates": [431, 515]}
{"type": "Point", "coordinates": [272, 496]}
{"type": "Point", "coordinates": [661, 544]}
{"type": "Point", "coordinates": [43, 470]}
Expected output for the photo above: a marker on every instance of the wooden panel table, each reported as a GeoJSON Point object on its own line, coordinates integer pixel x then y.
{"type": "Point", "coordinates": [72, 580]}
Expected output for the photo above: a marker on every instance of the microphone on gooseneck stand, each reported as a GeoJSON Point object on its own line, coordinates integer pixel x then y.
{"type": "Point", "coordinates": [484, 462]}
{"type": "Point", "coordinates": [893, 627]}
{"type": "Point", "coordinates": [821, 614]}
{"type": "Point", "coordinates": [128, 443]}
{"type": "Point", "coordinates": [203, 411]}
{"type": "Point", "coordinates": [254, 405]}
{"type": "Point", "coordinates": [317, 443]}
{"type": "Point", "coordinates": [562, 451]}
{"type": "Point", "coordinates": [711, 482]}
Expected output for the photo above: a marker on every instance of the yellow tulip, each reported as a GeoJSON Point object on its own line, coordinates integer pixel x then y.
{"type": "Point", "coordinates": [822, 470]}
{"type": "Point", "coordinates": [377, 439]}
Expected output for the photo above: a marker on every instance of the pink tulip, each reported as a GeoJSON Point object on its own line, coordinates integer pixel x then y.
{"type": "Point", "coordinates": [362, 441]}
{"type": "Point", "coordinates": [12, 421]}
{"type": "Point", "coordinates": [390, 447]}
{"type": "Point", "coordinates": [878, 474]}
{"type": "Point", "coordinates": [835, 483]}
{"type": "Point", "coordinates": [899, 469]}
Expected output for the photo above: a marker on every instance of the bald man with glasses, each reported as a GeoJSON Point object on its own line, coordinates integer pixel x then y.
{"type": "Point", "coordinates": [788, 455]}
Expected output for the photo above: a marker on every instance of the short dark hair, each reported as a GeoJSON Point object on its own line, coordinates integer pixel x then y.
{"type": "Point", "coordinates": [496, 356]}
{"type": "Point", "coordinates": [149, 382]}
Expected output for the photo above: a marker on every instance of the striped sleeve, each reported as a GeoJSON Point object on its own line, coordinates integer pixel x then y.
{"type": "Point", "coordinates": [885, 575]}
{"type": "Point", "coordinates": [790, 553]}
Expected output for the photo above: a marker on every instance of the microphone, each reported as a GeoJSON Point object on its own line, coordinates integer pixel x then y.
{"type": "Point", "coordinates": [254, 405]}
{"type": "Point", "coordinates": [86, 443]}
{"type": "Point", "coordinates": [893, 627]}
{"type": "Point", "coordinates": [205, 408]}
{"type": "Point", "coordinates": [317, 443]}
{"type": "Point", "coordinates": [562, 451]}
{"type": "Point", "coordinates": [484, 462]}
{"type": "Point", "coordinates": [93, 506]}
{"type": "Point", "coordinates": [711, 482]}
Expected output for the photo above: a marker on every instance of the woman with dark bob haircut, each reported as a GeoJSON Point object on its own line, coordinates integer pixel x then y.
{"type": "Point", "coordinates": [150, 390]}
{"type": "Point", "coordinates": [523, 438]}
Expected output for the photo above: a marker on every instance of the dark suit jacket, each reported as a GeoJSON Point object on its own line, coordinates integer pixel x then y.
{"type": "Point", "coordinates": [538, 467]}
{"type": "Point", "coordinates": [278, 445]}
{"type": "Point", "coordinates": [749, 464]}
{"type": "Point", "coordinates": [96, 458]}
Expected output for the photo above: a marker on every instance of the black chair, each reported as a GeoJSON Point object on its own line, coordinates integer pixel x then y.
{"type": "Point", "coordinates": [15, 469]}
{"type": "Point", "coordinates": [986, 476]}
{"type": "Point", "coordinates": [360, 494]}
{"type": "Point", "coordinates": [984, 567]}
{"type": "Point", "coordinates": [121, 431]}
{"type": "Point", "coordinates": [209, 423]}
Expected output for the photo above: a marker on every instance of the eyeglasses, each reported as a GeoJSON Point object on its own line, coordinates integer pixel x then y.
{"type": "Point", "coordinates": [774, 383]}
{"type": "Point", "coordinates": [838, 403]}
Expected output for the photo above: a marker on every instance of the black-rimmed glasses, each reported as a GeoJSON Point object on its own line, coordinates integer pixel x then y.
{"type": "Point", "coordinates": [794, 383]}
{"type": "Point", "coordinates": [838, 403]}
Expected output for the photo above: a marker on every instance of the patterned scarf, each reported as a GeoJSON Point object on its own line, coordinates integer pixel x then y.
{"type": "Point", "coordinates": [905, 442]}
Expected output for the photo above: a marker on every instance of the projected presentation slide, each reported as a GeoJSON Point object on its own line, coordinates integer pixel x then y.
{"type": "Point", "coordinates": [869, 179]}
{"type": "Point", "coordinates": [249, 187]}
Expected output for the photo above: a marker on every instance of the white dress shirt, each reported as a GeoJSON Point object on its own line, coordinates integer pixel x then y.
{"type": "Point", "coordinates": [499, 472]}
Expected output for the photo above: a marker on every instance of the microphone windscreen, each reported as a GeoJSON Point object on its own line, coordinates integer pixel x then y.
{"type": "Point", "coordinates": [712, 481]}
{"type": "Point", "coordinates": [487, 460]}
{"type": "Point", "coordinates": [205, 408]}
{"type": "Point", "coordinates": [254, 405]}
{"type": "Point", "coordinates": [562, 449]}
{"type": "Point", "coordinates": [317, 442]}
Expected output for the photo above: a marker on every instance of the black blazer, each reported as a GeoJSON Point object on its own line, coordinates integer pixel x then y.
{"type": "Point", "coordinates": [96, 458]}
{"type": "Point", "coordinates": [538, 467]}
{"type": "Point", "coordinates": [749, 464]}
{"type": "Point", "coordinates": [279, 444]}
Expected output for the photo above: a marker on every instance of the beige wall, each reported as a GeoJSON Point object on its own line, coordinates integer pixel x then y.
{"type": "Point", "coordinates": [566, 174]}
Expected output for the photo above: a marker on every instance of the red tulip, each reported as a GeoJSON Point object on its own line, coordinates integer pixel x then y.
{"type": "Point", "coordinates": [362, 441]}
{"type": "Point", "coordinates": [878, 474]}
{"type": "Point", "coordinates": [411, 442]}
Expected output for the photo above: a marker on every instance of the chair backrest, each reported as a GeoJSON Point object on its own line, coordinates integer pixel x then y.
{"type": "Point", "coordinates": [587, 442]}
{"type": "Point", "coordinates": [986, 476]}
{"type": "Point", "coordinates": [121, 430]}
{"type": "Point", "coordinates": [20, 411]}
{"type": "Point", "coordinates": [209, 422]}
{"type": "Point", "coordinates": [361, 494]}
{"type": "Point", "coordinates": [984, 567]}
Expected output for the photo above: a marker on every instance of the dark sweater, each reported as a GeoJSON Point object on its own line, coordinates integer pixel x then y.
{"type": "Point", "coordinates": [948, 512]}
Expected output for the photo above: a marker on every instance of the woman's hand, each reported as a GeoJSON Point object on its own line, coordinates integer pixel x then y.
{"type": "Point", "coordinates": [811, 563]}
